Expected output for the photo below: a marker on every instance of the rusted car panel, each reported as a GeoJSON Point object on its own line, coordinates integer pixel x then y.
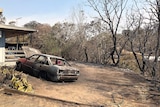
{"type": "Point", "coordinates": [48, 67]}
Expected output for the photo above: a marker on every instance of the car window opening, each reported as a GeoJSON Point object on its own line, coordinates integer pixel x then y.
{"type": "Point", "coordinates": [59, 62]}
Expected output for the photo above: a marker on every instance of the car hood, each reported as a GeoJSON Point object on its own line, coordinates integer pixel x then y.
{"type": "Point", "coordinates": [66, 68]}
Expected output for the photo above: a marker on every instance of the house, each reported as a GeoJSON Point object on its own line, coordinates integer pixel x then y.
{"type": "Point", "coordinates": [7, 31]}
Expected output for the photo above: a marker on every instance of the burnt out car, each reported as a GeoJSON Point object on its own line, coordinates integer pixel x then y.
{"type": "Point", "coordinates": [49, 67]}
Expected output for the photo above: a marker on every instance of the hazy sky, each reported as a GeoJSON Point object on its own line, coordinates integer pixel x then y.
{"type": "Point", "coordinates": [43, 11]}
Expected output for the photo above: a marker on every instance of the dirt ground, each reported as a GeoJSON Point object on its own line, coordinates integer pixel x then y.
{"type": "Point", "coordinates": [97, 86]}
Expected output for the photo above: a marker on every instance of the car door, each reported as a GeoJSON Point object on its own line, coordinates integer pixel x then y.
{"type": "Point", "coordinates": [41, 65]}
{"type": "Point", "coordinates": [28, 65]}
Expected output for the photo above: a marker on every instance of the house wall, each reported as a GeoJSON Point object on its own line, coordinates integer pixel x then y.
{"type": "Point", "coordinates": [2, 48]}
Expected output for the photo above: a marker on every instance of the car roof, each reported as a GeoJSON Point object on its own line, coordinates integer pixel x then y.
{"type": "Point", "coordinates": [51, 56]}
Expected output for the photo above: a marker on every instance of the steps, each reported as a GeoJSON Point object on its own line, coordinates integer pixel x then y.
{"type": "Point", "coordinates": [13, 55]}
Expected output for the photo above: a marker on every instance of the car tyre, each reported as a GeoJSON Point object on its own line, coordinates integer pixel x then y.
{"type": "Point", "coordinates": [43, 75]}
{"type": "Point", "coordinates": [19, 66]}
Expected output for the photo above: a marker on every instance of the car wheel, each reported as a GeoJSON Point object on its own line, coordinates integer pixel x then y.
{"type": "Point", "coordinates": [43, 75]}
{"type": "Point", "coordinates": [19, 66]}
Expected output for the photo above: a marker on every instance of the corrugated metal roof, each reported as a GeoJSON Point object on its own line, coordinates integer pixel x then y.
{"type": "Point", "coordinates": [9, 27]}
{"type": "Point", "coordinates": [11, 31]}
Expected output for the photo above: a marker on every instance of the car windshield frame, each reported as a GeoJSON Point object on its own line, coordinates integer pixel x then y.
{"type": "Point", "coordinates": [42, 60]}
{"type": "Point", "coordinates": [31, 58]}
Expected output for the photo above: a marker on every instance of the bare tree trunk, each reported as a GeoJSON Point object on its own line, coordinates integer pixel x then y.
{"type": "Point", "coordinates": [157, 51]}
{"type": "Point", "coordinates": [110, 12]}
{"type": "Point", "coordinates": [86, 55]}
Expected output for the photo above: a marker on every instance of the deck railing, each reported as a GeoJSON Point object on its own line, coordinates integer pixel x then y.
{"type": "Point", "coordinates": [13, 55]}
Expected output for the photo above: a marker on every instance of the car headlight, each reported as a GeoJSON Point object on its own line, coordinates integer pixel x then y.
{"type": "Point", "coordinates": [77, 72]}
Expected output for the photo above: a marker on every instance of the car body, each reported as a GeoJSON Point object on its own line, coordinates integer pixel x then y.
{"type": "Point", "coordinates": [48, 66]}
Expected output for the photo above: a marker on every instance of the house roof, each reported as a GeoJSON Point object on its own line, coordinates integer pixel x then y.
{"type": "Point", "coordinates": [11, 31]}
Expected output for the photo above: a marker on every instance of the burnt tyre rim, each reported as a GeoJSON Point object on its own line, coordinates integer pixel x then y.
{"type": "Point", "coordinates": [19, 66]}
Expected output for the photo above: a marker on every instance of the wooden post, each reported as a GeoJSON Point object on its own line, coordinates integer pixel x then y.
{"type": "Point", "coordinates": [30, 39]}
{"type": "Point", "coordinates": [17, 42]}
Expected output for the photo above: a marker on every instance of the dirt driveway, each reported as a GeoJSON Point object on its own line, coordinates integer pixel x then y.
{"type": "Point", "coordinates": [97, 86]}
